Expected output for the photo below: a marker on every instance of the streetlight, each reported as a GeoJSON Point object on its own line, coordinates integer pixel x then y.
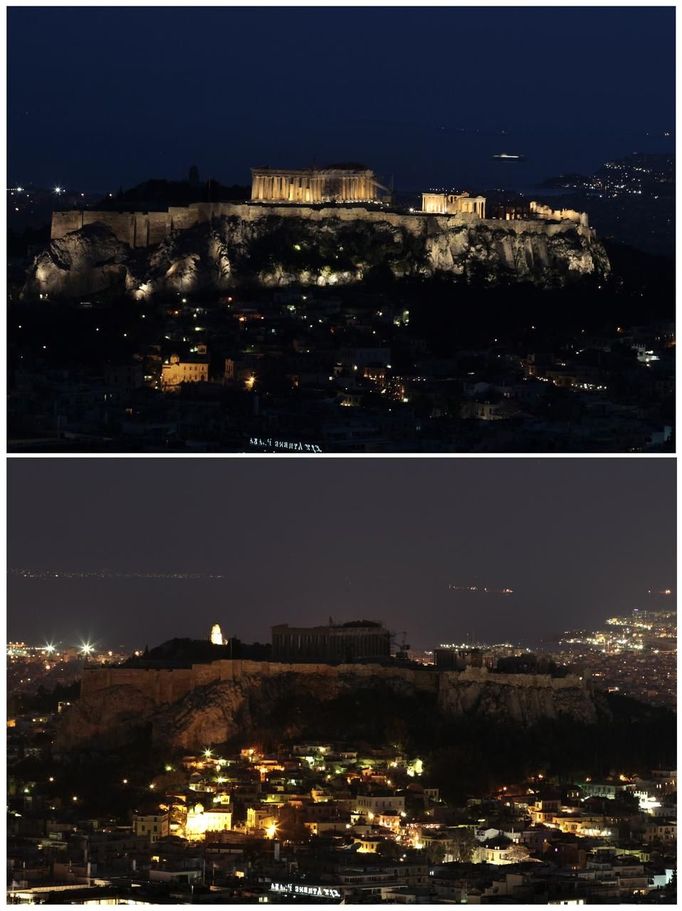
{"type": "Point", "coordinates": [86, 649]}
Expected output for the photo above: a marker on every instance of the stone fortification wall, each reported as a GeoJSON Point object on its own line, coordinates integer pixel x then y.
{"type": "Point", "coordinates": [137, 229]}
{"type": "Point", "coordinates": [523, 698]}
{"type": "Point", "coordinates": [210, 247]}
{"type": "Point", "coordinates": [547, 212]}
{"type": "Point", "coordinates": [212, 703]}
{"type": "Point", "coordinates": [164, 685]}
{"type": "Point", "coordinates": [142, 229]}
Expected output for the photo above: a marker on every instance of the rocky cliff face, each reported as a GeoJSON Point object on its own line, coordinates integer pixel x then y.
{"type": "Point", "coordinates": [320, 249]}
{"type": "Point", "coordinates": [292, 705]}
{"type": "Point", "coordinates": [523, 698]}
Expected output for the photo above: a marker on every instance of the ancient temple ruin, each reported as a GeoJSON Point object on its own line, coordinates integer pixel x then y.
{"type": "Point", "coordinates": [314, 185]}
{"type": "Point", "coordinates": [452, 204]}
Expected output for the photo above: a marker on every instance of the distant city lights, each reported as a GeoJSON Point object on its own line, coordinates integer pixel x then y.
{"type": "Point", "coordinates": [481, 588]}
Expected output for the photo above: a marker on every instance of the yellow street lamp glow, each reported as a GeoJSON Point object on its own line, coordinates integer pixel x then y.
{"type": "Point", "coordinates": [271, 830]}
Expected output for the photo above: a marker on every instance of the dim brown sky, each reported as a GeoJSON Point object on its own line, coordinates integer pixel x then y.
{"type": "Point", "coordinates": [301, 540]}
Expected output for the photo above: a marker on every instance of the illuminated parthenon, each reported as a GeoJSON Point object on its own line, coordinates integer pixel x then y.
{"type": "Point", "coordinates": [314, 185]}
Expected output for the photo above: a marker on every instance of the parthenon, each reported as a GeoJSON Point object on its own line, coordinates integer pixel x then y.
{"type": "Point", "coordinates": [312, 185]}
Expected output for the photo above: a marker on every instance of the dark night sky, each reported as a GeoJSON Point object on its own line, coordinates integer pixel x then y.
{"type": "Point", "coordinates": [104, 97]}
{"type": "Point", "coordinates": [301, 540]}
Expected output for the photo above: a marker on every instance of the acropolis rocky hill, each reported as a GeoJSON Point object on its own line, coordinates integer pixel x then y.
{"type": "Point", "coordinates": [211, 247]}
{"type": "Point", "coordinates": [187, 707]}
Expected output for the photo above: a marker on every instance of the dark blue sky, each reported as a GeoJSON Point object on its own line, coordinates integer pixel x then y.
{"type": "Point", "coordinates": [103, 97]}
{"type": "Point", "coordinates": [299, 540]}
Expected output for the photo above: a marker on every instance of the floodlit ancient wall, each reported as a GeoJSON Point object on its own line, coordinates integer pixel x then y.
{"type": "Point", "coordinates": [66, 222]}
{"type": "Point", "coordinates": [142, 229]}
{"type": "Point", "coordinates": [150, 228]}
{"type": "Point", "coordinates": [542, 211]}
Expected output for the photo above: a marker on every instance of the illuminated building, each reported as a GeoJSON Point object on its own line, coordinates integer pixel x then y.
{"type": "Point", "coordinates": [357, 640]}
{"type": "Point", "coordinates": [501, 850]}
{"type": "Point", "coordinates": [368, 844]}
{"type": "Point", "coordinates": [350, 183]}
{"type": "Point", "coordinates": [546, 212]}
{"type": "Point", "coordinates": [379, 804]}
{"type": "Point", "coordinates": [200, 821]}
{"type": "Point", "coordinates": [453, 204]}
{"type": "Point", "coordinates": [260, 819]}
{"type": "Point", "coordinates": [177, 371]}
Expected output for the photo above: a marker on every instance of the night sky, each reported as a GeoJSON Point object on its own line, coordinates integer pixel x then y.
{"type": "Point", "coordinates": [107, 97]}
{"type": "Point", "coordinates": [300, 540]}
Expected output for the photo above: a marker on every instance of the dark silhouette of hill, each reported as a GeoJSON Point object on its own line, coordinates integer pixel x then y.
{"type": "Point", "coordinates": [156, 195]}
{"type": "Point", "coordinates": [185, 652]}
